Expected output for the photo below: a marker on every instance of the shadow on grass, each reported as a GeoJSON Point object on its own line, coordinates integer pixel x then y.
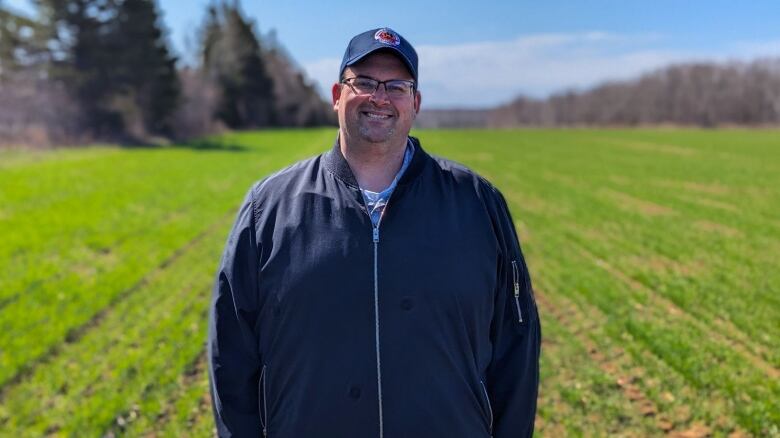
{"type": "Point", "coordinates": [203, 144]}
{"type": "Point", "coordinates": [211, 144]}
{"type": "Point", "coordinates": [217, 144]}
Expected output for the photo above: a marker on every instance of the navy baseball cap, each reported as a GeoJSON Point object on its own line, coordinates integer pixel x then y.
{"type": "Point", "coordinates": [383, 38]}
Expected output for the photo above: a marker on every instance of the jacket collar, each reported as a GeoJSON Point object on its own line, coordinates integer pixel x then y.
{"type": "Point", "coordinates": [337, 165]}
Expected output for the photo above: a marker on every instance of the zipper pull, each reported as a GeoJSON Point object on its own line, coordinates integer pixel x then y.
{"type": "Point", "coordinates": [376, 234]}
{"type": "Point", "coordinates": [516, 281]}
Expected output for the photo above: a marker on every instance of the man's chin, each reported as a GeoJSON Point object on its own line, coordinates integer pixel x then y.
{"type": "Point", "coordinates": [377, 136]}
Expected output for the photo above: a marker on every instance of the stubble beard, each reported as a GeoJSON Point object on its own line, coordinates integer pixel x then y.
{"type": "Point", "coordinates": [369, 135]}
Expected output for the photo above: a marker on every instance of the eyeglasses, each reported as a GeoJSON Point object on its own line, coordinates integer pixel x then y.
{"type": "Point", "coordinates": [395, 88]}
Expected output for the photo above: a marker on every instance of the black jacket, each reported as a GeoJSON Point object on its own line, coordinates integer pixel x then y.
{"type": "Point", "coordinates": [323, 326]}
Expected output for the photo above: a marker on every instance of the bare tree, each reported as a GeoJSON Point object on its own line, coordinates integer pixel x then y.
{"type": "Point", "coordinates": [701, 94]}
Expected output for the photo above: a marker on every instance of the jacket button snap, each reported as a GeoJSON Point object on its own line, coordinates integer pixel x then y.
{"type": "Point", "coordinates": [354, 392]}
{"type": "Point", "coordinates": [407, 304]}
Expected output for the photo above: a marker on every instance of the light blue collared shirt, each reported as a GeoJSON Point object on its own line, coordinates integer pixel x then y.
{"type": "Point", "coordinates": [376, 201]}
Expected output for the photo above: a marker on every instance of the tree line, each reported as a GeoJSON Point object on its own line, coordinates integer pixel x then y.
{"type": "Point", "coordinates": [87, 70]}
{"type": "Point", "coordinates": [700, 94]}
{"type": "Point", "coordinates": [690, 94]}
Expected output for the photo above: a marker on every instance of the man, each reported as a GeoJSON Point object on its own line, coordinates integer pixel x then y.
{"type": "Point", "coordinates": [374, 290]}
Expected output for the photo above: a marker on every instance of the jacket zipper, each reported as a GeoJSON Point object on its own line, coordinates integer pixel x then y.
{"type": "Point", "coordinates": [264, 411]}
{"type": "Point", "coordinates": [516, 280]}
{"type": "Point", "coordinates": [490, 408]}
{"type": "Point", "coordinates": [376, 319]}
{"type": "Point", "coordinates": [375, 240]}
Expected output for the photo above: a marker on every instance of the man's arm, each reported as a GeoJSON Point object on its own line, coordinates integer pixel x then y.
{"type": "Point", "coordinates": [233, 357]}
{"type": "Point", "coordinates": [513, 375]}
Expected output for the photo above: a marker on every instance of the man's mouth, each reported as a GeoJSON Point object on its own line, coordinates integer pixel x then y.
{"type": "Point", "coordinates": [377, 116]}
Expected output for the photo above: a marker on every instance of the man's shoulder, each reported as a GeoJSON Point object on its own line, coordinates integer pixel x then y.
{"type": "Point", "coordinates": [458, 170]}
{"type": "Point", "coordinates": [281, 181]}
{"type": "Point", "coordinates": [464, 175]}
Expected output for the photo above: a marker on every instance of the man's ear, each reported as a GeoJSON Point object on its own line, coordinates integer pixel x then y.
{"type": "Point", "coordinates": [417, 101]}
{"type": "Point", "coordinates": [335, 94]}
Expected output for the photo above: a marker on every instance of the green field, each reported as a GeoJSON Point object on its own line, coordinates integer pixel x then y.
{"type": "Point", "coordinates": [654, 256]}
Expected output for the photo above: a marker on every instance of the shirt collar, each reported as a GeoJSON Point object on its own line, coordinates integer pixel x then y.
{"type": "Point", "coordinates": [408, 153]}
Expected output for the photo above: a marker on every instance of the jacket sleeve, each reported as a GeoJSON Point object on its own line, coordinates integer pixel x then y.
{"type": "Point", "coordinates": [513, 374]}
{"type": "Point", "coordinates": [233, 354]}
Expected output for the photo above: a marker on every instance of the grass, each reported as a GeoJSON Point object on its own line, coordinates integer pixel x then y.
{"type": "Point", "coordinates": [653, 254]}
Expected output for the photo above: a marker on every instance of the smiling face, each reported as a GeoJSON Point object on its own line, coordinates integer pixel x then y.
{"type": "Point", "coordinates": [375, 118]}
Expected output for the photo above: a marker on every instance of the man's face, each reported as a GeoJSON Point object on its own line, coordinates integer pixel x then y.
{"type": "Point", "coordinates": [377, 117]}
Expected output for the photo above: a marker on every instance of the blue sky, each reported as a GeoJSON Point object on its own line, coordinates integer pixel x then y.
{"type": "Point", "coordinates": [477, 54]}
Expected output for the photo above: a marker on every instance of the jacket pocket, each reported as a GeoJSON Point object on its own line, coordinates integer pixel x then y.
{"type": "Point", "coordinates": [489, 407]}
{"type": "Point", "coordinates": [263, 405]}
{"type": "Point", "coordinates": [516, 290]}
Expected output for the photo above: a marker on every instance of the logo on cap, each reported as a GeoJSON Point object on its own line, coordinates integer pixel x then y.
{"type": "Point", "coordinates": [387, 36]}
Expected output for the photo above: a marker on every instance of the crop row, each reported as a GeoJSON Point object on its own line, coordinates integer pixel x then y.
{"type": "Point", "coordinates": [652, 254]}
{"type": "Point", "coordinates": [136, 352]}
{"type": "Point", "coordinates": [80, 235]}
{"type": "Point", "coordinates": [598, 246]}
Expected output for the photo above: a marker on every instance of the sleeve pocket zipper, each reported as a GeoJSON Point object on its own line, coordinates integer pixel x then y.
{"type": "Point", "coordinates": [516, 282]}
{"type": "Point", "coordinates": [263, 410]}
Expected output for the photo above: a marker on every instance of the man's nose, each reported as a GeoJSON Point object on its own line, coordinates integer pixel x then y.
{"type": "Point", "coordinates": [380, 94]}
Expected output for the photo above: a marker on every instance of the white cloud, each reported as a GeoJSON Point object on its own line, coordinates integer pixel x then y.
{"type": "Point", "coordinates": [489, 73]}
{"type": "Point", "coordinates": [756, 49]}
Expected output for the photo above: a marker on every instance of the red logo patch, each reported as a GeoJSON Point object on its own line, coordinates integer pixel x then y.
{"type": "Point", "coordinates": [387, 36]}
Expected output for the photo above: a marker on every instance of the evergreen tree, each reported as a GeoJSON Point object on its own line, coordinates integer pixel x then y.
{"type": "Point", "coordinates": [233, 59]}
{"type": "Point", "coordinates": [113, 57]}
{"type": "Point", "coordinates": [82, 57]}
{"type": "Point", "coordinates": [145, 70]}
{"type": "Point", "coordinates": [211, 32]}
{"type": "Point", "coordinates": [14, 38]}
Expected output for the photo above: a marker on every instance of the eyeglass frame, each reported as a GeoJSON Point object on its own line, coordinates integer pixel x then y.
{"type": "Point", "coordinates": [346, 81]}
